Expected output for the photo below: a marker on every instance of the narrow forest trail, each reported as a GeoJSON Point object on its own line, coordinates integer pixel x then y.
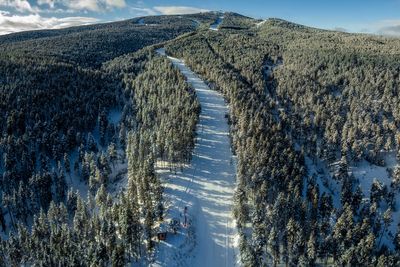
{"type": "Point", "coordinates": [206, 186]}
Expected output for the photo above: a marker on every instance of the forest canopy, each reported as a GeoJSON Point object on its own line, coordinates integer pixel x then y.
{"type": "Point", "coordinates": [85, 109]}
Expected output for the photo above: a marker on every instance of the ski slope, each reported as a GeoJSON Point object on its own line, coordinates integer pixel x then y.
{"type": "Point", "coordinates": [215, 25]}
{"type": "Point", "coordinates": [206, 187]}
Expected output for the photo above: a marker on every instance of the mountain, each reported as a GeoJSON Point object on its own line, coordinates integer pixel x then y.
{"type": "Point", "coordinates": [89, 46]}
{"type": "Point", "coordinates": [92, 114]}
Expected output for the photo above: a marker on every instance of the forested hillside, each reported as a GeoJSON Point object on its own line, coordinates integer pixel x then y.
{"type": "Point", "coordinates": [42, 156]}
{"type": "Point", "coordinates": [75, 130]}
{"type": "Point", "coordinates": [90, 46]}
{"type": "Point", "coordinates": [87, 112]}
{"type": "Point", "coordinates": [310, 109]}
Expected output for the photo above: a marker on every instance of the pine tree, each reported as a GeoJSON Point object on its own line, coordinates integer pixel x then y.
{"type": "Point", "coordinates": [91, 143]}
{"type": "Point", "coordinates": [67, 164]}
{"type": "Point", "coordinates": [312, 249]}
{"type": "Point", "coordinates": [112, 153]}
{"type": "Point", "coordinates": [118, 256]}
{"type": "Point", "coordinates": [148, 225]}
{"type": "Point", "coordinates": [60, 186]}
{"type": "Point", "coordinates": [2, 220]}
{"type": "Point", "coordinates": [103, 124]}
{"type": "Point", "coordinates": [72, 199]}
{"type": "Point", "coordinates": [131, 228]}
{"type": "Point", "coordinates": [259, 234]}
{"type": "Point", "coordinates": [387, 220]}
{"type": "Point", "coordinates": [81, 218]}
{"type": "Point", "coordinates": [273, 245]}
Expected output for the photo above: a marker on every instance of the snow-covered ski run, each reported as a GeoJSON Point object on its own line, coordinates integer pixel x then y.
{"type": "Point", "coordinates": [215, 25]}
{"type": "Point", "coordinates": [206, 187]}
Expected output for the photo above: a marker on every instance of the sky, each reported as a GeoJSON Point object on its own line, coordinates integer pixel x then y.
{"type": "Point", "coordinates": [367, 16]}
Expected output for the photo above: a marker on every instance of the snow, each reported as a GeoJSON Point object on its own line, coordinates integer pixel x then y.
{"type": "Point", "coordinates": [114, 116]}
{"type": "Point", "coordinates": [215, 25]}
{"type": "Point", "coordinates": [141, 22]}
{"type": "Point", "coordinates": [161, 51]}
{"type": "Point", "coordinates": [206, 187]}
{"type": "Point", "coordinates": [117, 177]}
{"type": "Point", "coordinates": [259, 24]}
{"type": "Point", "coordinates": [366, 173]}
{"type": "Point", "coordinates": [270, 66]}
{"type": "Point", "coordinates": [326, 183]}
{"type": "Point", "coordinates": [74, 180]}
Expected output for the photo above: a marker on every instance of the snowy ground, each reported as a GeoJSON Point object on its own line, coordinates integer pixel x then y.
{"type": "Point", "coordinates": [117, 178]}
{"type": "Point", "coordinates": [365, 173]}
{"type": "Point", "coordinates": [259, 24]}
{"type": "Point", "coordinates": [326, 183]}
{"type": "Point", "coordinates": [206, 187]}
{"type": "Point", "coordinates": [215, 25]}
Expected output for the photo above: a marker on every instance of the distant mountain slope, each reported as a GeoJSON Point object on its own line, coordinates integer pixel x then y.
{"type": "Point", "coordinates": [89, 46]}
{"type": "Point", "coordinates": [236, 21]}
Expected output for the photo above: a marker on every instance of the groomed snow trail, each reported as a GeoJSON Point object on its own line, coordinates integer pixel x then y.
{"type": "Point", "coordinates": [207, 185]}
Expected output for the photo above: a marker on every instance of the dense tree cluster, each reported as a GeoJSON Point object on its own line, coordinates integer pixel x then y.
{"type": "Point", "coordinates": [58, 130]}
{"type": "Point", "coordinates": [296, 92]}
{"type": "Point", "coordinates": [48, 110]}
{"type": "Point", "coordinates": [160, 103]}
{"type": "Point", "coordinates": [236, 21]}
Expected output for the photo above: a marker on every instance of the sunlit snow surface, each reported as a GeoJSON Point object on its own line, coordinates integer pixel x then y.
{"type": "Point", "coordinates": [206, 187]}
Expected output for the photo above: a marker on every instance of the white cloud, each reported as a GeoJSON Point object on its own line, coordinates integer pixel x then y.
{"type": "Point", "coordinates": [139, 11]}
{"type": "Point", "coordinates": [50, 3]}
{"type": "Point", "coordinates": [173, 10]}
{"type": "Point", "coordinates": [388, 27]}
{"type": "Point", "coordinates": [19, 5]}
{"type": "Point", "coordinates": [17, 23]}
{"type": "Point", "coordinates": [90, 5]}
{"type": "Point", "coordinates": [340, 29]}
{"type": "Point", "coordinates": [76, 5]}
{"type": "Point", "coordinates": [390, 30]}
{"type": "Point", "coordinates": [93, 5]}
{"type": "Point", "coordinates": [116, 3]}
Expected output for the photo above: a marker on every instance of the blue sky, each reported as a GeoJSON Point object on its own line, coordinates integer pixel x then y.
{"type": "Point", "coordinates": [372, 16]}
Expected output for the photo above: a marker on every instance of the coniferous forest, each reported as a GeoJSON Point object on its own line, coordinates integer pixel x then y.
{"type": "Point", "coordinates": [91, 123]}
{"type": "Point", "coordinates": [88, 108]}
{"type": "Point", "coordinates": [304, 99]}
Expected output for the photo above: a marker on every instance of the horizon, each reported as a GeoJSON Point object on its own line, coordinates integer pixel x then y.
{"type": "Point", "coordinates": [355, 17]}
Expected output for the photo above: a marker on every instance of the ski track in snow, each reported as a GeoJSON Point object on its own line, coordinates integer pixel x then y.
{"type": "Point", "coordinates": [206, 187]}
